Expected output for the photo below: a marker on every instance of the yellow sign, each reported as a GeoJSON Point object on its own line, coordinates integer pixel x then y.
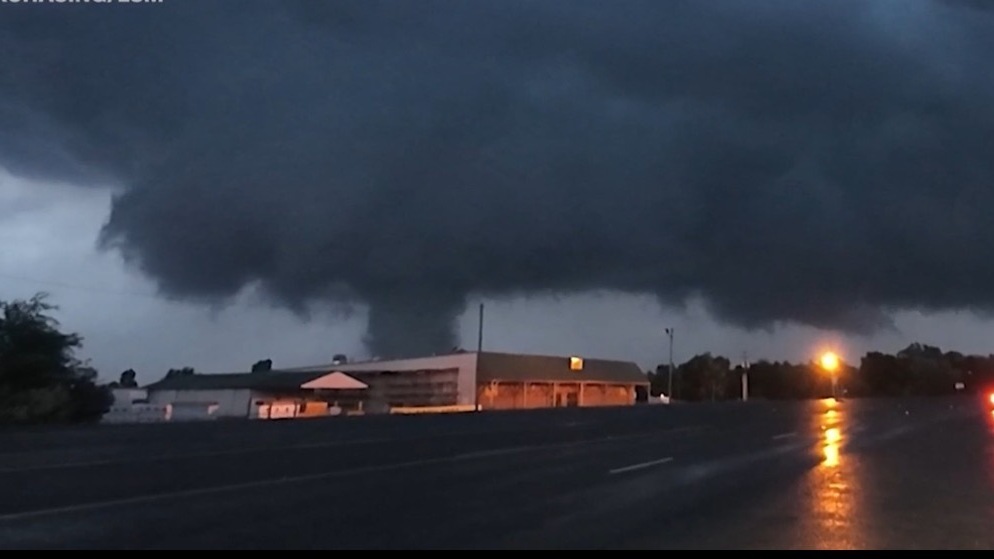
{"type": "Point", "coordinates": [575, 363]}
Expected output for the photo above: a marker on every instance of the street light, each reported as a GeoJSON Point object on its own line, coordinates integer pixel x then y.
{"type": "Point", "coordinates": [745, 377]}
{"type": "Point", "coordinates": [830, 362]}
{"type": "Point", "coordinates": [669, 390]}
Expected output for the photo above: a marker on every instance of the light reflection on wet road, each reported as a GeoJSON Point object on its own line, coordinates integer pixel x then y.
{"type": "Point", "coordinates": [915, 474]}
{"type": "Point", "coordinates": [834, 491]}
{"type": "Point", "coordinates": [920, 477]}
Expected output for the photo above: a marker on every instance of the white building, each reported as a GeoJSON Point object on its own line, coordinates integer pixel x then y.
{"type": "Point", "coordinates": [491, 380]}
{"type": "Point", "coordinates": [261, 394]}
{"type": "Point", "coordinates": [455, 382]}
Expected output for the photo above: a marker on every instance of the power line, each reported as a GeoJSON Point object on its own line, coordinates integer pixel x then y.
{"type": "Point", "coordinates": [82, 288]}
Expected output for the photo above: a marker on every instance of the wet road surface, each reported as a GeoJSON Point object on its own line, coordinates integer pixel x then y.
{"type": "Point", "coordinates": [908, 474]}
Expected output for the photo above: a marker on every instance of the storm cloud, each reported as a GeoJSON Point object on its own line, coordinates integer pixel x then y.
{"type": "Point", "coordinates": [822, 163]}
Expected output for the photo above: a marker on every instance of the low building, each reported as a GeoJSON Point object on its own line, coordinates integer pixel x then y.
{"type": "Point", "coordinates": [491, 380]}
{"type": "Point", "coordinates": [131, 405]}
{"type": "Point", "coordinates": [506, 381]}
{"type": "Point", "coordinates": [265, 395]}
{"type": "Point", "coordinates": [461, 381]}
{"type": "Point", "coordinates": [129, 396]}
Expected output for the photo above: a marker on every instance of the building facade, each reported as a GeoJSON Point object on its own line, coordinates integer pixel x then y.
{"type": "Point", "coordinates": [263, 395]}
{"type": "Point", "coordinates": [492, 380]}
{"type": "Point", "coordinates": [457, 382]}
{"type": "Point", "coordinates": [510, 381]}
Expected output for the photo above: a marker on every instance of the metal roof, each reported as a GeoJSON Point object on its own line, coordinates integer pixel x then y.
{"type": "Point", "coordinates": [491, 366]}
{"type": "Point", "coordinates": [536, 368]}
{"type": "Point", "coordinates": [269, 380]}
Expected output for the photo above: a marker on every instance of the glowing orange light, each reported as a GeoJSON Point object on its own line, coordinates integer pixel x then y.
{"type": "Point", "coordinates": [831, 456]}
{"type": "Point", "coordinates": [829, 361]}
{"type": "Point", "coordinates": [992, 399]}
{"type": "Point", "coordinates": [833, 435]}
{"type": "Point", "coordinates": [832, 438]}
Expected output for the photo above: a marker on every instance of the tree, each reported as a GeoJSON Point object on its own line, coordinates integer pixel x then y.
{"type": "Point", "coordinates": [705, 377]}
{"type": "Point", "coordinates": [185, 371]}
{"type": "Point", "coordinates": [128, 379]}
{"type": "Point", "coordinates": [717, 378]}
{"type": "Point", "coordinates": [90, 400]}
{"type": "Point", "coordinates": [918, 369]}
{"type": "Point", "coordinates": [40, 378]}
{"type": "Point", "coordinates": [658, 380]}
{"type": "Point", "coordinates": [262, 366]}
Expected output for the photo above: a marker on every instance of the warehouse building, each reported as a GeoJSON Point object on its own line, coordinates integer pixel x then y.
{"type": "Point", "coordinates": [490, 380]}
{"type": "Point", "coordinates": [506, 381]}
{"type": "Point", "coordinates": [460, 381]}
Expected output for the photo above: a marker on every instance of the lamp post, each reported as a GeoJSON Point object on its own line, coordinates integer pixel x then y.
{"type": "Point", "coordinates": [669, 390]}
{"type": "Point", "coordinates": [830, 363]}
{"type": "Point", "coordinates": [745, 377]}
{"type": "Point", "coordinates": [476, 371]}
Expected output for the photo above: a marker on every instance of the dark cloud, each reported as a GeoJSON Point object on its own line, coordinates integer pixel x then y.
{"type": "Point", "coordinates": [821, 163]}
{"type": "Point", "coordinates": [983, 5]}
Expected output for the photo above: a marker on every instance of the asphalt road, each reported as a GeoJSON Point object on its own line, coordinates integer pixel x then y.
{"type": "Point", "coordinates": [907, 474]}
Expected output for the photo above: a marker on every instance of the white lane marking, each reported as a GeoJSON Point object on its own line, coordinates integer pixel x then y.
{"type": "Point", "coordinates": [245, 449]}
{"type": "Point", "coordinates": [569, 444]}
{"type": "Point", "coordinates": [640, 466]}
{"type": "Point", "coordinates": [186, 455]}
{"type": "Point", "coordinates": [699, 471]}
{"type": "Point", "coordinates": [158, 497]}
{"type": "Point", "coordinates": [303, 446]}
{"type": "Point", "coordinates": [782, 436]}
{"type": "Point", "coordinates": [496, 452]}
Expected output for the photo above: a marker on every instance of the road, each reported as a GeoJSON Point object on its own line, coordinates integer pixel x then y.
{"type": "Point", "coordinates": [909, 474]}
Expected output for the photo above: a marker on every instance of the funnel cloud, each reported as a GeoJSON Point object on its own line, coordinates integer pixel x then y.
{"type": "Point", "coordinates": [822, 163]}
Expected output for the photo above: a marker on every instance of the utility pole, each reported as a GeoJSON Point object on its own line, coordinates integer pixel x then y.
{"type": "Point", "coordinates": [669, 392]}
{"type": "Point", "coordinates": [745, 377]}
{"type": "Point", "coordinates": [479, 337]}
{"type": "Point", "coordinates": [476, 373]}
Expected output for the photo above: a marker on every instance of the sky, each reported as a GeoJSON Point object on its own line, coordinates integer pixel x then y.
{"type": "Point", "coordinates": [293, 180]}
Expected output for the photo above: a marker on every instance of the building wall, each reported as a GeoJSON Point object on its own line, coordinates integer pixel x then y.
{"type": "Point", "coordinates": [137, 413]}
{"type": "Point", "coordinates": [128, 396]}
{"type": "Point", "coordinates": [508, 395]}
{"type": "Point", "coordinates": [295, 408]}
{"type": "Point", "coordinates": [241, 403]}
{"type": "Point", "coordinates": [517, 395]}
{"type": "Point", "coordinates": [608, 395]}
{"type": "Point", "coordinates": [432, 388]}
{"type": "Point", "coordinates": [465, 363]}
{"type": "Point", "coordinates": [231, 403]}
